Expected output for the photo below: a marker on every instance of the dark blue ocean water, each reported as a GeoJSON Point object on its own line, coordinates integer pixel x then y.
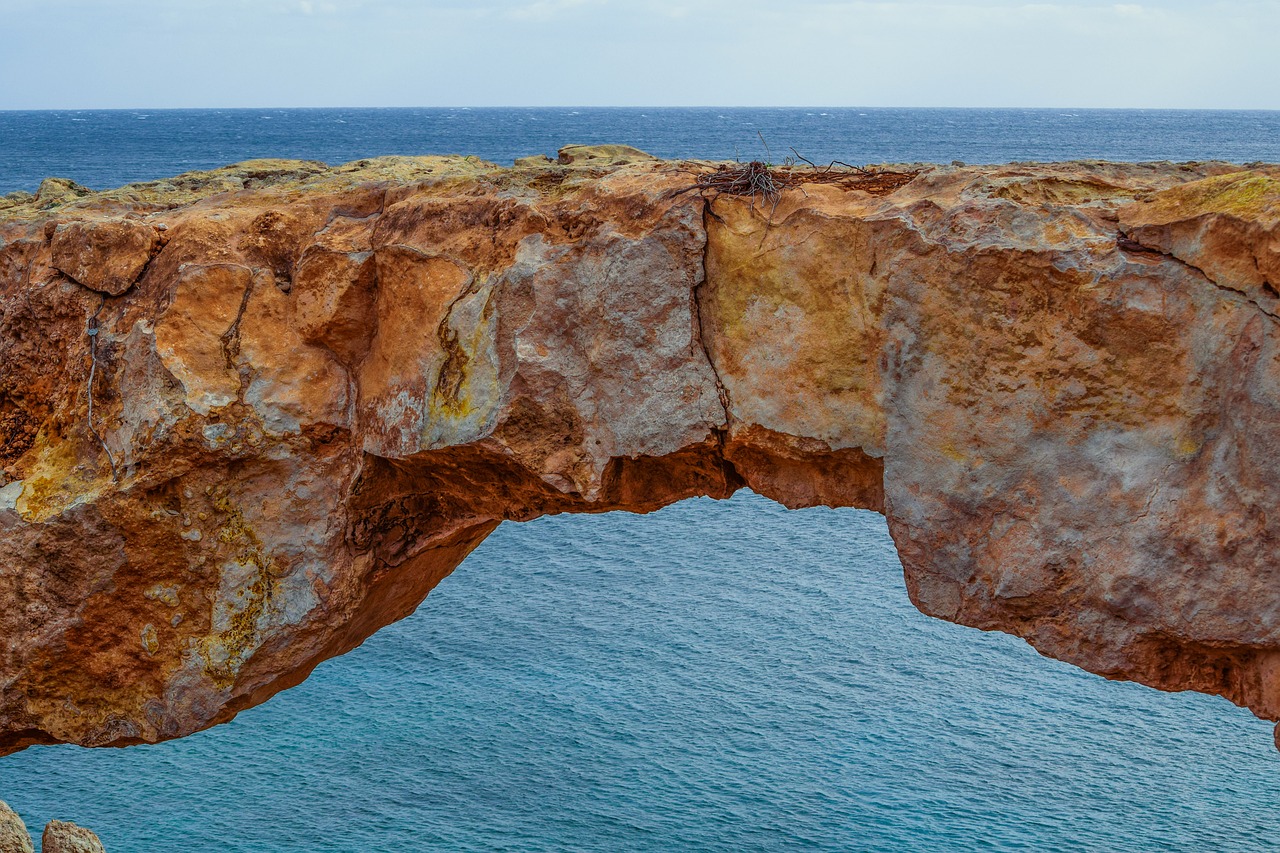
{"type": "Point", "coordinates": [106, 148]}
{"type": "Point", "coordinates": [716, 676]}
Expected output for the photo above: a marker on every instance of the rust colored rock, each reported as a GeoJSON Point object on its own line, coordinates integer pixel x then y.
{"type": "Point", "coordinates": [14, 837]}
{"type": "Point", "coordinates": [63, 837]}
{"type": "Point", "coordinates": [1233, 236]}
{"type": "Point", "coordinates": [1060, 383]}
{"type": "Point", "coordinates": [105, 255]}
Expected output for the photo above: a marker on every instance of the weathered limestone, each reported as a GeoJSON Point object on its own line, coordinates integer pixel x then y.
{"type": "Point", "coordinates": [63, 837]}
{"type": "Point", "coordinates": [321, 388]}
{"type": "Point", "coordinates": [13, 832]}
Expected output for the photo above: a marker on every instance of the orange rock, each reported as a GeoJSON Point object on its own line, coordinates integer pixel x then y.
{"type": "Point", "coordinates": [1232, 234]}
{"type": "Point", "coordinates": [105, 255]}
{"type": "Point", "coordinates": [1060, 383]}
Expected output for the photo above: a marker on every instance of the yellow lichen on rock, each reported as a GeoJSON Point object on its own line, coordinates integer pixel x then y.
{"type": "Point", "coordinates": [321, 388]}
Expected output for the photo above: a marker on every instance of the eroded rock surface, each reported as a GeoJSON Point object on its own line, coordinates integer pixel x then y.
{"type": "Point", "coordinates": [106, 255]}
{"type": "Point", "coordinates": [312, 391]}
{"type": "Point", "coordinates": [13, 832]}
{"type": "Point", "coordinates": [63, 837]}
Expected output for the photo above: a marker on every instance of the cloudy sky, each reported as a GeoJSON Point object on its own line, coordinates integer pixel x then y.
{"type": "Point", "coordinates": [259, 53]}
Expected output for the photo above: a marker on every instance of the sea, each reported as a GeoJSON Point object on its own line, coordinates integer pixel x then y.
{"type": "Point", "coordinates": [714, 676]}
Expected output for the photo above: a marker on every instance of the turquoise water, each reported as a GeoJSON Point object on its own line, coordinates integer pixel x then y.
{"type": "Point", "coordinates": [716, 676]}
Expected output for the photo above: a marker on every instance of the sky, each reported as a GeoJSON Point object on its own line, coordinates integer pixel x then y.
{"type": "Point", "coordinates": [87, 54]}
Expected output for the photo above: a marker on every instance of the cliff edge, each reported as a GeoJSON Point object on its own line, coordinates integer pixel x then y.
{"type": "Point", "coordinates": [250, 416]}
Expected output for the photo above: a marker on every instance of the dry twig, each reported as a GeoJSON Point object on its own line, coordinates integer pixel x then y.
{"type": "Point", "coordinates": [764, 183]}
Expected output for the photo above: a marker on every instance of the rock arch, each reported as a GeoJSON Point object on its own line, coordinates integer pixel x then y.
{"type": "Point", "coordinates": [318, 389]}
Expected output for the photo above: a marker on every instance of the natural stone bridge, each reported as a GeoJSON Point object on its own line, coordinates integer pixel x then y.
{"type": "Point", "coordinates": [248, 417]}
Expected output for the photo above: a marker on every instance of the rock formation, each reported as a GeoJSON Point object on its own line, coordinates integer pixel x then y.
{"type": "Point", "coordinates": [13, 832]}
{"type": "Point", "coordinates": [63, 837]}
{"type": "Point", "coordinates": [248, 417]}
{"type": "Point", "coordinates": [59, 836]}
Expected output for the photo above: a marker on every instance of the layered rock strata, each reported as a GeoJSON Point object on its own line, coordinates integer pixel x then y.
{"type": "Point", "coordinates": [248, 417]}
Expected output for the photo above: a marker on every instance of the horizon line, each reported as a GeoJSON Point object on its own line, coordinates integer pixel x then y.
{"type": "Point", "coordinates": [643, 107]}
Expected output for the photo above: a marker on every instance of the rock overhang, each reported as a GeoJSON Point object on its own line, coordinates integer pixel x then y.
{"type": "Point", "coordinates": [319, 389]}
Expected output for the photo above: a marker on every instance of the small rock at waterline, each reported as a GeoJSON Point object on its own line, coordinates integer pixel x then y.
{"type": "Point", "coordinates": [13, 832]}
{"type": "Point", "coordinates": [63, 837]}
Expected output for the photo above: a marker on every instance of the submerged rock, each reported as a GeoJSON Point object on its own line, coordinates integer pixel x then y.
{"type": "Point", "coordinates": [1059, 383]}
